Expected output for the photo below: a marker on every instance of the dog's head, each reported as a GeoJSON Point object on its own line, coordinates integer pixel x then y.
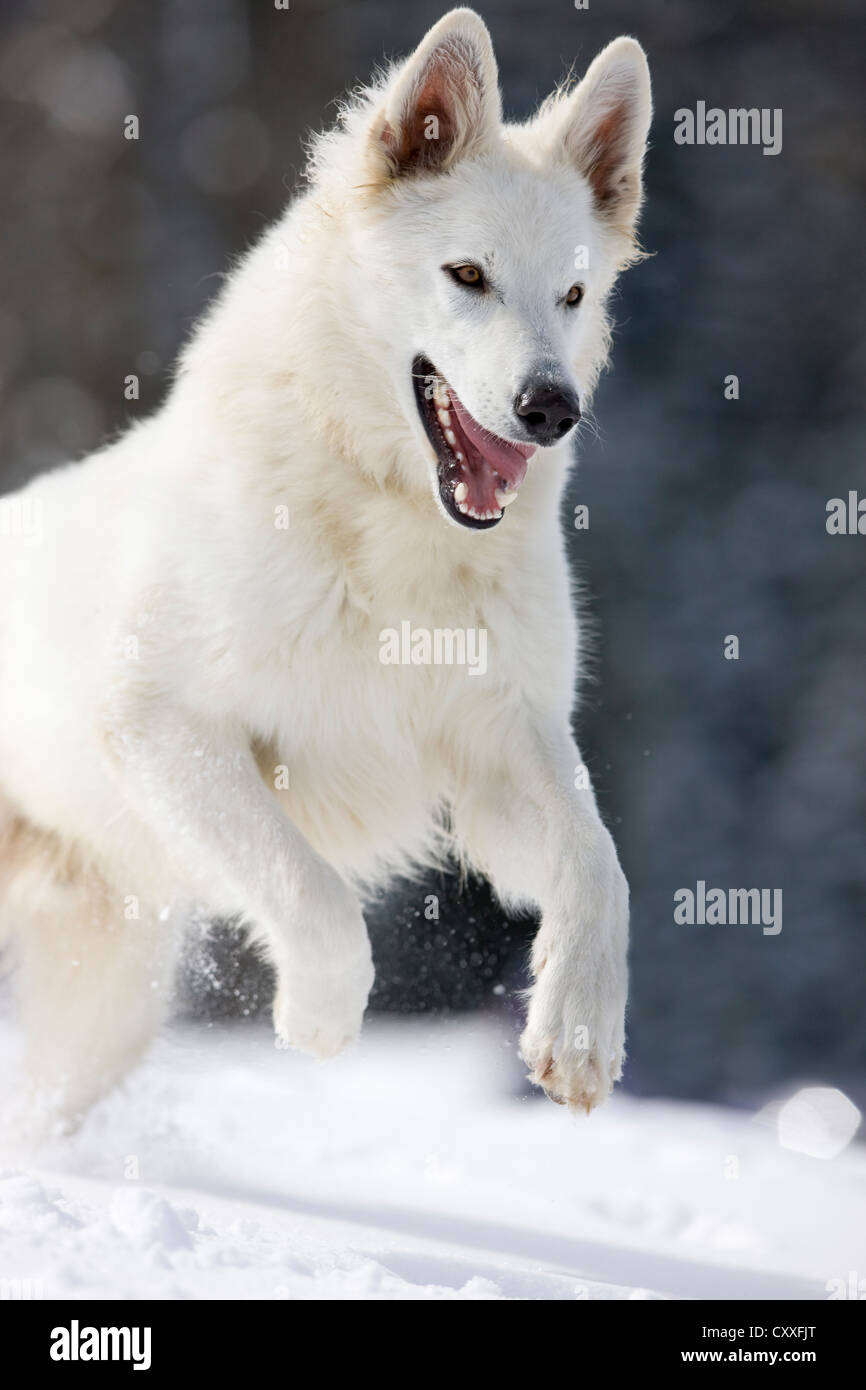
{"type": "Point", "coordinates": [485, 254]}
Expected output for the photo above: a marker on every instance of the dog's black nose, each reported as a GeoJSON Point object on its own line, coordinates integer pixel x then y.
{"type": "Point", "coordinates": [547, 412]}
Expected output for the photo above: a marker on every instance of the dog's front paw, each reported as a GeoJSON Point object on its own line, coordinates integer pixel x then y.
{"type": "Point", "coordinates": [325, 975]}
{"type": "Point", "coordinates": [574, 1040]}
{"type": "Point", "coordinates": [571, 1068]}
{"type": "Point", "coordinates": [320, 1011]}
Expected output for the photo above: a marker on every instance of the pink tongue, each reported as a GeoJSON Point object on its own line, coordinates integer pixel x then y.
{"type": "Point", "coordinates": [500, 455]}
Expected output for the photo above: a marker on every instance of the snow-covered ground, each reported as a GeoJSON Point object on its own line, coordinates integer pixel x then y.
{"type": "Point", "coordinates": [416, 1167]}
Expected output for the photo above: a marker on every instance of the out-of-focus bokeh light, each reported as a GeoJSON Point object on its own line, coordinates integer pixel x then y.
{"type": "Point", "coordinates": [226, 150]}
{"type": "Point", "coordinates": [819, 1121]}
{"type": "Point", "coordinates": [52, 420]}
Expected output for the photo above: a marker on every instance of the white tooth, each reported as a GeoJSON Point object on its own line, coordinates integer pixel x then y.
{"type": "Point", "coordinates": [451, 436]}
{"type": "Point", "coordinates": [463, 508]}
{"type": "Point", "coordinates": [460, 492]}
{"type": "Point", "coordinates": [504, 498]}
{"type": "Point", "coordinates": [444, 418]}
{"type": "Point", "coordinates": [459, 456]}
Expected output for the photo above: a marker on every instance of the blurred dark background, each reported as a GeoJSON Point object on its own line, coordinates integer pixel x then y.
{"type": "Point", "coordinates": [707, 515]}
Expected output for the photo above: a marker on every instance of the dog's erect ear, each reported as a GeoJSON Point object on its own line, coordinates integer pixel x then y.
{"type": "Point", "coordinates": [444, 102]}
{"type": "Point", "coordinates": [604, 125]}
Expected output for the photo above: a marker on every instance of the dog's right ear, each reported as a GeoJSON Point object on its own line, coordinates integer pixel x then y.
{"type": "Point", "coordinates": [444, 103]}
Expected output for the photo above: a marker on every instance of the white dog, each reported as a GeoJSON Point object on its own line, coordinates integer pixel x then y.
{"type": "Point", "coordinates": [231, 641]}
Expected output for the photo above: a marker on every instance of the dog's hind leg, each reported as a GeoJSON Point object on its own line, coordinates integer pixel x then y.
{"type": "Point", "coordinates": [93, 976]}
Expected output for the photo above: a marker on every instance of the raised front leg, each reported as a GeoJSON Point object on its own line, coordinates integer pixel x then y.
{"type": "Point", "coordinates": [532, 827]}
{"type": "Point", "coordinates": [200, 793]}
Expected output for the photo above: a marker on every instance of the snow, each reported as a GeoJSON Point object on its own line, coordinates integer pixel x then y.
{"type": "Point", "coordinates": [417, 1166]}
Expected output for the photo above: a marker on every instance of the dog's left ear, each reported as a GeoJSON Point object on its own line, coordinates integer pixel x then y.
{"type": "Point", "coordinates": [444, 103]}
{"type": "Point", "coordinates": [603, 126]}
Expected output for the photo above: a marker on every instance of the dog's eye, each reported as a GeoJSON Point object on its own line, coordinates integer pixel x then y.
{"type": "Point", "coordinates": [468, 275]}
{"type": "Point", "coordinates": [575, 295]}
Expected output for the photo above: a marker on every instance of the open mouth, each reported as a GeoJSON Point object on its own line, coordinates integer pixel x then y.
{"type": "Point", "coordinates": [479, 473]}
